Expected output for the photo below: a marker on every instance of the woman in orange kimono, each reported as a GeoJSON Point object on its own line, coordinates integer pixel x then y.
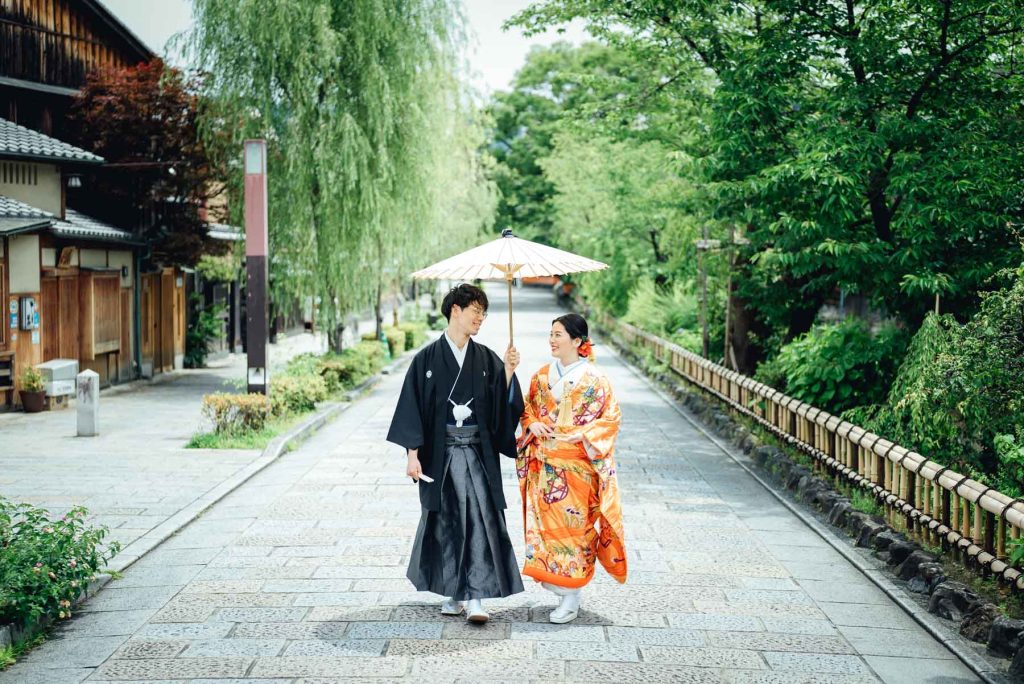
{"type": "Point", "coordinates": [566, 467]}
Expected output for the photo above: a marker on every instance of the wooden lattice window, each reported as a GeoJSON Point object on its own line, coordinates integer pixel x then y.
{"type": "Point", "coordinates": [100, 313]}
{"type": "Point", "coordinates": [5, 320]}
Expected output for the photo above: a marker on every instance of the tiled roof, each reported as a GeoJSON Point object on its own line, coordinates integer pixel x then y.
{"type": "Point", "coordinates": [16, 217]}
{"type": "Point", "coordinates": [76, 225]}
{"type": "Point", "coordinates": [12, 208]}
{"type": "Point", "coordinates": [22, 143]}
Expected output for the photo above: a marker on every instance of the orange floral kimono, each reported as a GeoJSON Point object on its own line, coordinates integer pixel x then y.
{"type": "Point", "coordinates": [571, 509]}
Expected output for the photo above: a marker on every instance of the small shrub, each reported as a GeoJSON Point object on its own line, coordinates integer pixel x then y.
{"type": "Point", "coordinates": [336, 372]}
{"type": "Point", "coordinates": [837, 366]}
{"type": "Point", "coordinates": [296, 394]}
{"type": "Point", "coordinates": [32, 380]}
{"type": "Point", "coordinates": [207, 327]}
{"type": "Point", "coordinates": [396, 341]}
{"type": "Point", "coordinates": [303, 364]}
{"type": "Point", "coordinates": [46, 563]}
{"type": "Point", "coordinates": [219, 269]}
{"type": "Point", "coordinates": [236, 413]}
{"type": "Point", "coordinates": [415, 334]}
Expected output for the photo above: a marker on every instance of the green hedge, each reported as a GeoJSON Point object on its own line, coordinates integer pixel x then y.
{"type": "Point", "coordinates": [236, 413]}
{"type": "Point", "coordinates": [307, 380]}
{"type": "Point", "coordinates": [415, 334]}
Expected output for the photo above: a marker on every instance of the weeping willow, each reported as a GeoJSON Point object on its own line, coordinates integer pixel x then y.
{"type": "Point", "coordinates": [373, 168]}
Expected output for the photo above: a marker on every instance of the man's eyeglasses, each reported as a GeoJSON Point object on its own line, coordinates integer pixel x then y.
{"type": "Point", "coordinates": [477, 311]}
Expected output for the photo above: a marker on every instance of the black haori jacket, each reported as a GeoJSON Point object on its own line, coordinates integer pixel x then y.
{"type": "Point", "coordinates": [421, 415]}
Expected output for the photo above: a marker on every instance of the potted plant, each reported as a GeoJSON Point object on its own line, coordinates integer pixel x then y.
{"type": "Point", "coordinates": [33, 395]}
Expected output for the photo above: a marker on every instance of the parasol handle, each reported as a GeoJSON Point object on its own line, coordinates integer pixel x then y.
{"type": "Point", "coordinates": [508, 278]}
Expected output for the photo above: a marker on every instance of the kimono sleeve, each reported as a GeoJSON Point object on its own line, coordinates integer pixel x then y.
{"type": "Point", "coordinates": [529, 416]}
{"type": "Point", "coordinates": [407, 423]}
{"type": "Point", "coordinates": [599, 434]}
{"type": "Point", "coordinates": [507, 404]}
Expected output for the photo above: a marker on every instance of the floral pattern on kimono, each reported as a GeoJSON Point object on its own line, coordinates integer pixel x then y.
{"type": "Point", "coordinates": [571, 507]}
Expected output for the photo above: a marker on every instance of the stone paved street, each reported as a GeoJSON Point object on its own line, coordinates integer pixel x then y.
{"type": "Point", "coordinates": [299, 577]}
{"type": "Point", "coordinates": [136, 475]}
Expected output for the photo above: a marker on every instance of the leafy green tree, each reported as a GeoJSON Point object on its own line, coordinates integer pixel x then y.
{"type": "Point", "coordinates": [871, 147]}
{"type": "Point", "coordinates": [958, 396]}
{"type": "Point", "coordinates": [554, 82]}
{"type": "Point", "coordinates": [360, 104]}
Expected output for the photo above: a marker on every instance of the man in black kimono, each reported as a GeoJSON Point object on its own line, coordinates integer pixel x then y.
{"type": "Point", "coordinates": [458, 411]}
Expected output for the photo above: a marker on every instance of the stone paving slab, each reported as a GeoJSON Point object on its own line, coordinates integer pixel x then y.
{"type": "Point", "coordinates": [298, 576]}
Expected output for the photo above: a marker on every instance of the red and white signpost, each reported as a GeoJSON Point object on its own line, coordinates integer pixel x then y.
{"type": "Point", "coordinates": [256, 248]}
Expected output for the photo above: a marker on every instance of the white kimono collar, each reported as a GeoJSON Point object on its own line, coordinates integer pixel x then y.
{"type": "Point", "coordinates": [562, 378]}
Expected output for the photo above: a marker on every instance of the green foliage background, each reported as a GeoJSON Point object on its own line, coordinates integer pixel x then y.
{"type": "Point", "coordinates": [867, 151]}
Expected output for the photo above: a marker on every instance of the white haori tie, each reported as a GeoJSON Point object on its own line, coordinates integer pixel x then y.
{"type": "Point", "coordinates": [459, 411]}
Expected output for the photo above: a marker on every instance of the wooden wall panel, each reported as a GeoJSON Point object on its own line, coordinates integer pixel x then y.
{"type": "Point", "coordinates": [49, 315]}
{"type": "Point", "coordinates": [107, 312]}
{"type": "Point", "coordinates": [179, 314]}
{"type": "Point", "coordinates": [147, 320]}
{"type": "Point", "coordinates": [57, 42]}
{"type": "Point", "coordinates": [127, 352]}
{"type": "Point", "coordinates": [69, 317]}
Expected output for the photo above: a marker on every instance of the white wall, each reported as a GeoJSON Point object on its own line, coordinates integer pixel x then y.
{"type": "Point", "coordinates": [24, 263]}
{"type": "Point", "coordinates": [92, 258]}
{"type": "Point", "coordinates": [37, 185]}
{"type": "Point", "coordinates": [117, 259]}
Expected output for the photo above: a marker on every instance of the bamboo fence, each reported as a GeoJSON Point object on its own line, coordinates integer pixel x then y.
{"type": "Point", "coordinates": [938, 506]}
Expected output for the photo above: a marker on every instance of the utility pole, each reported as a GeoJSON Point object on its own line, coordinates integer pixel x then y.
{"type": "Point", "coordinates": [708, 245]}
{"type": "Point", "coordinates": [703, 245]}
{"type": "Point", "coordinates": [256, 248]}
{"type": "Point", "coordinates": [727, 350]}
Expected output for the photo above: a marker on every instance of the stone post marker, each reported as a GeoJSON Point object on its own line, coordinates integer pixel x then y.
{"type": "Point", "coordinates": [88, 403]}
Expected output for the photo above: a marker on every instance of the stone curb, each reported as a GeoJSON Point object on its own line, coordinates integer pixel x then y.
{"type": "Point", "coordinates": [929, 623]}
{"type": "Point", "coordinates": [277, 446]}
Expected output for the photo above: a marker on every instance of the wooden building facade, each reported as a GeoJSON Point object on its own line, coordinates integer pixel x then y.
{"type": "Point", "coordinates": [94, 298]}
{"type": "Point", "coordinates": [47, 47]}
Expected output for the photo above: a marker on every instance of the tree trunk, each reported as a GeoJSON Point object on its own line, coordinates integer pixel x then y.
{"type": "Point", "coordinates": [378, 310]}
{"type": "Point", "coordinates": [335, 337]}
{"type": "Point", "coordinates": [744, 354]}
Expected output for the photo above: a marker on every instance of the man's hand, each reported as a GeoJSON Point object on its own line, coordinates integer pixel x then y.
{"type": "Point", "coordinates": [413, 468]}
{"type": "Point", "coordinates": [511, 362]}
{"type": "Point", "coordinates": [541, 430]}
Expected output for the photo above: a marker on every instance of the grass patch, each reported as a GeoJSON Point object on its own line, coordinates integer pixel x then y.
{"type": "Point", "coordinates": [245, 440]}
{"type": "Point", "coordinates": [864, 502]}
{"type": "Point", "coordinates": [11, 654]}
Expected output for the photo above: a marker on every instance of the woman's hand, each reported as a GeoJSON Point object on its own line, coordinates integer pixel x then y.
{"type": "Point", "coordinates": [541, 430]}
{"type": "Point", "coordinates": [413, 468]}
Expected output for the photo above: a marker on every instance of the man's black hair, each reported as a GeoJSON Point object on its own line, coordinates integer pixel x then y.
{"type": "Point", "coordinates": [462, 295]}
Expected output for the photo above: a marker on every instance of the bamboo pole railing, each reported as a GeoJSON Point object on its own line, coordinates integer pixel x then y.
{"type": "Point", "coordinates": [938, 505]}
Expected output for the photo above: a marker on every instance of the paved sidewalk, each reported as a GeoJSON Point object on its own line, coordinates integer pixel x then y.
{"type": "Point", "coordinates": [298, 576]}
{"type": "Point", "coordinates": [136, 474]}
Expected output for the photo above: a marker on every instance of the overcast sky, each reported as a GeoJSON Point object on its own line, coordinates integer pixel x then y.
{"type": "Point", "coordinates": [494, 55]}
